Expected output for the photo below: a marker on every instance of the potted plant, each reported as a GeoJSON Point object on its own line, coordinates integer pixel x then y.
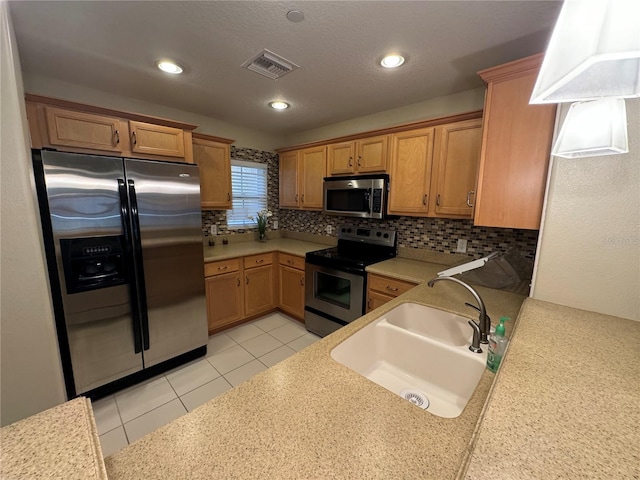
{"type": "Point", "coordinates": [261, 220]}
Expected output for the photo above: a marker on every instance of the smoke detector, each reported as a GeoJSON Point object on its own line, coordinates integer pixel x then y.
{"type": "Point", "coordinates": [270, 65]}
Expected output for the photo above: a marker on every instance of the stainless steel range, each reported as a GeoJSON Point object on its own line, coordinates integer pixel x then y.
{"type": "Point", "coordinates": [335, 291]}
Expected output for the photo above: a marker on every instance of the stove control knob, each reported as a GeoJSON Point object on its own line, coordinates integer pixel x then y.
{"type": "Point", "coordinates": [344, 230]}
{"type": "Point", "coordinates": [378, 234]}
{"type": "Point", "coordinates": [386, 235]}
{"type": "Point", "coordinates": [348, 230]}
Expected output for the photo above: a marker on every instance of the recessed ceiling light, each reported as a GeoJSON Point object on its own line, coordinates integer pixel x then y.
{"type": "Point", "coordinates": [295, 15]}
{"type": "Point", "coordinates": [278, 105]}
{"type": "Point", "coordinates": [392, 61]}
{"type": "Point", "coordinates": [169, 67]}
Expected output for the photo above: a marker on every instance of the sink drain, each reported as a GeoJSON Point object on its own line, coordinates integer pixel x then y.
{"type": "Point", "coordinates": [416, 397]}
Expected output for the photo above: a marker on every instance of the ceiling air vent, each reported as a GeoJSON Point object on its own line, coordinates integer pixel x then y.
{"type": "Point", "coordinates": [270, 65]}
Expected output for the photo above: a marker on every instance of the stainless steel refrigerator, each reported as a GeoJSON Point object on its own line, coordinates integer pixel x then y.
{"type": "Point", "coordinates": [123, 239]}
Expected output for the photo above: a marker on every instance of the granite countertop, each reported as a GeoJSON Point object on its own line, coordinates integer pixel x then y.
{"type": "Point", "coordinates": [240, 249]}
{"type": "Point", "coordinates": [566, 402]}
{"type": "Point", "coordinates": [310, 417]}
{"type": "Point", "coordinates": [61, 442]}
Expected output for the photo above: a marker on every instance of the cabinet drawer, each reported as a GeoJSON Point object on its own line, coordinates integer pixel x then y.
{"type": "Point", "coordinates": [258, 260]}
{"type": "Point", "coordinates": [223, 266]}
{"type": "Point", "coordinates": [389, 286]}
{"type": "Point", "coordinates": [292, 261]}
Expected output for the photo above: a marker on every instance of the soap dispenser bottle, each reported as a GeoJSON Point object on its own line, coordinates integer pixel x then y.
{"type": "Point", "coordinates": [497, 346]}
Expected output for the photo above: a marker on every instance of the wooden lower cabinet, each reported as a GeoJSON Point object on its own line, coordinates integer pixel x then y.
{"type": "Point", "coordinates": [239, 289]}
{"type": "Point", "coordinates": [258, 294]}
{"type": "Point", "coordinates": [381, 290]}
{"type": "Point", "coordinates": [225, 296]}
{"type": "Point", "coordinates": [291, 285]}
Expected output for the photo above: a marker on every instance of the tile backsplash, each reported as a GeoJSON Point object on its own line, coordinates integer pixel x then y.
{"type": "Point", "coordinates": [435, 234]}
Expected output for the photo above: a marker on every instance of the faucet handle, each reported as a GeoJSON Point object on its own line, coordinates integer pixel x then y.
{"type": "Point", "coordinates": [478, 310]}
{"type": "Point", "coordinates": [475, 344]}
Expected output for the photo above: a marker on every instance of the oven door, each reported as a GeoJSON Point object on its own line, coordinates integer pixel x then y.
{"type": "Point", "coordinates": [335, 293]}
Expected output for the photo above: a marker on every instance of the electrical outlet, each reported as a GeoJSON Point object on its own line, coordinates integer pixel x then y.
{"type": "Point", "coordinates": [275, 224]}
{"type": "Point", "coordinates": [329, 229]}
{"type": "Point", "coordinates": [214, 229]}
{"type": "Point", "coordinates": [462, 245]}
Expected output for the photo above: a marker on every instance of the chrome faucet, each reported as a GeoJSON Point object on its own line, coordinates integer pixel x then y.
{"type": "Point", "coordinates": [480, 329]}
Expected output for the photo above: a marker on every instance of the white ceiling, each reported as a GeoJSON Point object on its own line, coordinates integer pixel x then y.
{"type": "Point", "coordinates": [113, 46]}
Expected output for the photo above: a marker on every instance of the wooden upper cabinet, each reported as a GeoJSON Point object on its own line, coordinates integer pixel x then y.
{"type": "Point", "coordinates": [75, 127]}
{"type": "Point", "coordinates": [212, 155]}
{"type": "Point", "coordinates": [410, 176]}
{"type": "Point", "coordinates": [301, 175]}
{"type": "Point", "coordinates": [288, 179]}
{"type": "Point", "coordinates": [367, 155]}
{"type": "Point", "coordinates": [313, 165]}
{"type": "Point", "coordinates": [455, 165]}
{"type": "Point", "coordinates": [147, 138]}
{"type": "Point", "coordinates": [66, 128]}
{"type": "Point", "coordinates": [516, 145]}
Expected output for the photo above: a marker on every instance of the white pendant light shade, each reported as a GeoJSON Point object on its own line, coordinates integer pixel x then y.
{"type": "Point", "coordinates": [594, 52]}
{"type": "Point", "coordinates": [593, 128]}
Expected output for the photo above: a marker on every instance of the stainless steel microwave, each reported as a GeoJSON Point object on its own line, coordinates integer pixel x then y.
{"type": "Point", "coordinates": [363, 196]}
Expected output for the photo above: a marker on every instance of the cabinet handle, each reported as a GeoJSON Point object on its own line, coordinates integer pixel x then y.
{"type": "Point", "coordinates": [391, 289]}
{"type": "Point", "coordinates": [296, 198]}
{"type": "Point", "coordinates": [351, 161]}
{"type": "Point", "coordinates": [238, 280]}
{"type": "Point", "coordinates": [246, 280]}
{"type": "Point", "coordinates": [368, 304]}
{"type": "Point", "coordinates": [424, 199]}
{"type": "Point", "coordinates": [134, 137]}
{"type": "Point", "coordinates": [302, 281]}
{"type": "Point", "coordinates": [260, 260]}
{"type": "Point", "coordinates": [438, 200]}
{"type": "Point", "coordinates": [302, 198]}
{"type": "Point", "coordinates": [117, 137]}
{"type": "Point", "coordinates": [359, 158]}
{"type": "Point", "coordinates": [290, 262]}
{"type": "Point", "coordinates": [223, 268]}
{"type": "Point", "coordinates": [469, 204]}
{"type": "Point", "coordinates": [228, 197]}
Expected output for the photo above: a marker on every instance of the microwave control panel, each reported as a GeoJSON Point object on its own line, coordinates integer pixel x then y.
{"type": "Point", "coordinates": [377, 200]}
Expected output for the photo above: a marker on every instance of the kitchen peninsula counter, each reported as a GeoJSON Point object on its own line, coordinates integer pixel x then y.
{"type": "Point", "coordinates": [310, 417]}
{"type": "Point", "coordinates": [61, 442]}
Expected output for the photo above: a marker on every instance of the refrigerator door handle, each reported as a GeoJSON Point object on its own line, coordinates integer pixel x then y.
{"type": "Point", "coordinates": [126, 228]}
{"type": "Point", "coordinates": [137, 250]}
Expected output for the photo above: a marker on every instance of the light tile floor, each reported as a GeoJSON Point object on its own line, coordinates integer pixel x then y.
{"type": "Point", "coordinates": [233, 356]}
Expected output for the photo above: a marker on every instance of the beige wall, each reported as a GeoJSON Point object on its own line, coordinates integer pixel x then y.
{"type": "Point", "coordinates": [466, 101]}
{"type": "Point", "coordinates": [589, 252]}
{"type": "Point", "coordinates": [31, 375]}
{"type": "Point", "coordinates": [244, 137]}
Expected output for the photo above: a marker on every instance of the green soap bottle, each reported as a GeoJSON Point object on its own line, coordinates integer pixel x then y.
{"type": "Point", "coordinates": [497, 346]}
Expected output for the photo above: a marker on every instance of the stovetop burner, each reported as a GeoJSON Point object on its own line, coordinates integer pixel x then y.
{"type": "Point", "coordinates": [357, 248]}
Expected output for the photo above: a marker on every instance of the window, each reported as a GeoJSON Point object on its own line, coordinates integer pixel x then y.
{"type": "Point", "coordinates": [249, 185]}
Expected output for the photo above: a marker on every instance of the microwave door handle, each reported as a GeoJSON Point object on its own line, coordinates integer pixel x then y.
{"type": "Point", "coordinates": [368, 199]}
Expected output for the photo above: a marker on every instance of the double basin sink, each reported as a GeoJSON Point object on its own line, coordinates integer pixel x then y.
{"type": "Point", "coordinates": [420, 353]}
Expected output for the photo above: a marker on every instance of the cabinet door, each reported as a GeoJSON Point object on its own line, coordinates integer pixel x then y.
{"type": "Point", "coordinates": [150, 139]}
{"type": "Point", "coordinates": [340, 158]}
{"type": "Point", "coordinates": [258, 297]}
{"type": "Point", "coordinates": [372, 154]}
{"type": "Point", "coordinates": [376, 299]}
{"type": "Point", "coordinates": [411, 159]}
{"type": "Point", "coordinates": [455, 167]}
{"type": "Point", "coordinates": [288, 180]}
{"type": "Point", "coordinates": [67, 128]}
{"type": "Point", "coordinates": [516, 147]}
{"type": "Point", "coordinates": [224, 300]}
{"type": "Point", "coordinates": [313, 165]}
{"type": "Point", "coordinates": [291, 291]}
{"type": "Point", "coordinates": [215, 173]}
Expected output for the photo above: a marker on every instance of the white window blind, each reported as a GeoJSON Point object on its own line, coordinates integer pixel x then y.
{"type": "Point", "coordinates": [249, 185]}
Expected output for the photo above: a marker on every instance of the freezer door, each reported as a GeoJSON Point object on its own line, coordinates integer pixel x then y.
{"type": "Point", "coordinates": [168, 227]}
{"type": "Point", "coordinates": [93, 278]}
